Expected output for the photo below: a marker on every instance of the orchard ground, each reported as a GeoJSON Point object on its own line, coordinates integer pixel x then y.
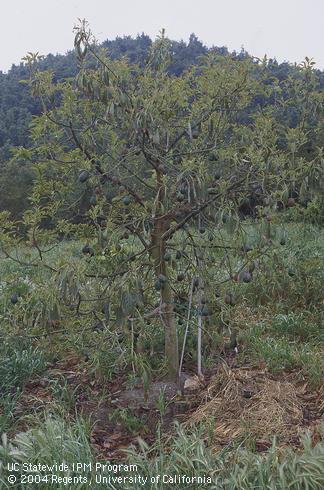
{"type": "Point", "coordinates": [94, 392]}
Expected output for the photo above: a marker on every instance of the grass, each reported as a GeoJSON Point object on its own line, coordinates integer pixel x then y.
{"type": "Point", "coordinates": [232, 469]}
{"type": "Point", "coordinates": [64, 395]}
{"type": "Point", "coordinates": [298, 326]}
{"type": "Point", "coordinates": [52, 440]}
{"type": "Point", "coordinates": [19, 362]}
{"type": "Point", "coordinates": [186, 455]}
{"type": "Point", "coordinates": [125, 417]}
{"type": "Point", "coordinates": [280, 353]}
{"type": "Point", "coordinates": [17, 366]}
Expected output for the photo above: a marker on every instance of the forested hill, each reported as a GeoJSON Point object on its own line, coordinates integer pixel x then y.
{"type": "Point", "coordinates": [17, 106]}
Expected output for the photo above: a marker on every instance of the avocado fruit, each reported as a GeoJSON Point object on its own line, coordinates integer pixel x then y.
{"type": "Point", "coordinates": [84, 176]}
{"type": "Point", "coordinates": [127, 200]}
{"type": "Point", "coordinates": [14, 298]}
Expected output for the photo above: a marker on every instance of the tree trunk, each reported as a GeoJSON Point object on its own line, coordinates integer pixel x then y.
{"type": "Point", "coordinates": [199, 343]}
{"type": "Point", "coordinates": [199, 331]}
{"type": "Point", "coordinates": [158, 249]}
{"type": "Point", "coordinates": [171, 334]}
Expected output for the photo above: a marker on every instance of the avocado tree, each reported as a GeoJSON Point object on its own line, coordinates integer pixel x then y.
{"type": "Point", "coordinates": [136, 164]}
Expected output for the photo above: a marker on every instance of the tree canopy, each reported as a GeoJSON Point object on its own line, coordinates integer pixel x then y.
{"type": "Point", "coordinates": [145, 167]}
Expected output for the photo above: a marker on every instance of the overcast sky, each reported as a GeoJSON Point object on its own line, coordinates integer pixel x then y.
{"type": "Point", "coordinates": [285, 29]}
